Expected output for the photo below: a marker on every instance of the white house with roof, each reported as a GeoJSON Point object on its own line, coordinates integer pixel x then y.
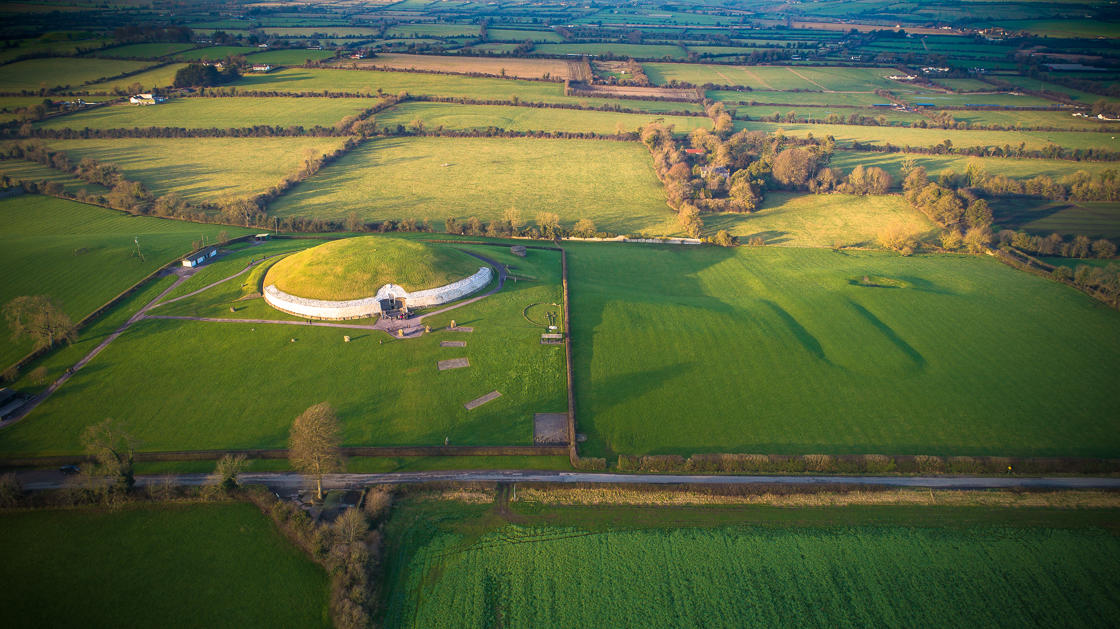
{"type": "Point", "coordinates": [146, 99]}
{"type": "Point", "coordinates": [200, 257]}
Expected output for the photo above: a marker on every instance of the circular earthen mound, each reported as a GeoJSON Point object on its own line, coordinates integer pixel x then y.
{"type": "Point", "coordinates": [355, 268]}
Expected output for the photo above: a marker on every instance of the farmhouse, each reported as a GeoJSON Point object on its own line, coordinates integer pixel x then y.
{"type": "Point", "coordinates": [146, 99]}
{"type": "Point", "coordinates": [199, 258]}
{"type": "Point", "coordinates": [262, 67]}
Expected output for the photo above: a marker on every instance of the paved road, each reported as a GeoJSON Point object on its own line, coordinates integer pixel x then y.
{"type": "Point", "coordinates": [278, 481]}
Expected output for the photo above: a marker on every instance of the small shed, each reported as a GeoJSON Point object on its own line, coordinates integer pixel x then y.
{"type": "Point", "coordinates": [518, 250]}
{"type": "Point", "coordinates": [200, 257]}
{"type": "Point", "coordinates": [259, 237]}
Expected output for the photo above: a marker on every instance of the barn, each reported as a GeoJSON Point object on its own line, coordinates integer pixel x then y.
{"type": "Point", "coordinates": [200, 257]}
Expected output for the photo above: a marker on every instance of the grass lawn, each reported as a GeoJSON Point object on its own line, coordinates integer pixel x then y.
{"type": "Point", "coordinates": [81, 255]}
{"type": "Point", "coordinates": [612, 183]}
{"type": "Point", "coordinates": [167, 565]}
{"type": "Point", "coordinates": [525, 68]}
{"type": "Point", "coordinates": [222, 113]}
{"type": "Point", "coordinates": [806, 220]}
{"type": "Point", "coordinates": [511, 118]}
{"type": "Point", "coordinates": [1098, 219]}
{"type": "Point", "coordinates": [937, 164]}
{"type": "Point", "coordinates": [369, 81]}
{"type": "Point", "coordinates": [846, 134]}
{"type": "Point", "coordinates": [687, 349]}
{"type": "Point", "coordinates": [463, 565]}
{"type": "Point", "coordinates": [387, 391]}
{"type": "Point", "coordinates": [32, 74]}
{"type": "Point", "coordinates": [201, 169]}
{"type": "Point", "coordinates": [162, 76]}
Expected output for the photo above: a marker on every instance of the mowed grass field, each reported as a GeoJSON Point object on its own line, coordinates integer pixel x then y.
{"type": "Point", "coordinates": [846, 134]}
{"type": "Point", "coordinates": [163, 76]}
{"type": "Point", "coordinates": [23, 170]}
{"type": "Point", "coordinates": [215, 52]}
{"type": "Point", "coordinates": [511, 118]}
{"type": "Point", "coordinates": [937, 164]}
{"type": "Point", "coordinates": [461, 566]}
{"type": "Point", "coordinates": [387, 391]}
{"type": "Point", "coordinates": [32, 74]}
{"type": "Point", "coordinates": [369, 81]}
{"type": "Point", "coordinates": [145, 51]}
{"type": "Point", "coordinates": [1098, 219]}
{"type": "Point", "coordinates": [799, 98]}
{"type": "Point", "coordinates": [782, 350]}
{"type": "Point", "coordinates": [81, 255]}
{"type": "Point", "coordinates": [202, 169]}
{"type": "Point", "coordinates": [525, 68]}
{"type": "Point", "coordinates": [434, 178]}
{"type": "Point", "coordinates": [777, 77]}
{"type": "Point", "coordinates": [802, 220]}
{"type": "Point", "coordinates": [221, 113]}
{"type": "Point", "coordinates": [166, 565]}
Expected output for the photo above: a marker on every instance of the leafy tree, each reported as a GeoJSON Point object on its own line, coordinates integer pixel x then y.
{"type": "Point", "coordinates": [314, 445]}
{"type": "Point", "coordinates": [951, 239]}
{"type": "Point", "coordinates": [978, 239]}
{"type": "Point", "coordinates": [228, 469]}
{"type": "Point", "coordinates": [584, 227]}
{"type": "Point", "coordinates": [549, 224]}
{"type": "Point", "coordinates": [978, 214]}
{"type": "Point", "coordinates": [111, 448]}
{"type": "Point", "coordinates": [40, 319]}
{"type": "Point", "coordinates": [793, 167]}
{"type": "Point", "coordinates": [725, 239]}
{"type": "Point", "coordinates": [197, 75]}
{"type": "Point", "coordinates": [1104, 248]}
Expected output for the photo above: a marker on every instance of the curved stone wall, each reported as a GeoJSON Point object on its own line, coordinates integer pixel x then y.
{"type": "Point", "coordinates": [369, 306]}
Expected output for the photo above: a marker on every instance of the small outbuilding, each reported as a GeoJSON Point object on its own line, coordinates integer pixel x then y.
{"type": "Point", "coordinates": [200, 257]}
{"type": "Point", "coordinates": [146, 99]}
{"type": "Point", "coordinates": [260, 237]}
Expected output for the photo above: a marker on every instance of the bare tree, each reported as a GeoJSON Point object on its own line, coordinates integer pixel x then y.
{"type": "Point", "coordinates": [40, 319]}
{"type": "Point", "coordinates": [111, 448]}
{"type": "Point", "coordinates": [351, 526]}
{"type": "Point", "coordinates": [227, 470]}
{"type": "Point", "coordinates": [314, 443]}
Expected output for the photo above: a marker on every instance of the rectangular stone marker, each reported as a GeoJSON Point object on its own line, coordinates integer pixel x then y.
{"type": "Point", "coordinates": [550, 428]}
{"type": "Point", "coordinates": [453, 363]}
{"type": "Point", "coordinates": [475, 403]}
{"type": "Point", "coordinates": [452, 343]}
{"type": "Point", "coordinates": [460, 328]}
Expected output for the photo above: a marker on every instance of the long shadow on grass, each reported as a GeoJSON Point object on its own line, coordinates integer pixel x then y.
{"type": "Point", "coordinates": [803, 336]}
{"type": "Point", "coordinates": [891, 335]}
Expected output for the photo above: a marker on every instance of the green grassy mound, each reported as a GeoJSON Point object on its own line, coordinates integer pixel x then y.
{"type": "Point", "coordinates": [356, 267]}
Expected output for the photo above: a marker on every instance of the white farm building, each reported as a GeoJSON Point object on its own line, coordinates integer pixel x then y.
{"type": "Point", "coordinates": [199, 258]}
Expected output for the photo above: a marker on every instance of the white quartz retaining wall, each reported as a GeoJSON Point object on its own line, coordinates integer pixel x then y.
{"type": "Point", "coordinates": [369, 306]}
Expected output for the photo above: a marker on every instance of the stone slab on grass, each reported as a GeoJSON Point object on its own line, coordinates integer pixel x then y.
{"type": "Point", "coordinates": [452, 343]}
{"type": "Point", "coordinates": [477, 402]}
{"type": "Point", "coordinates": [461, 328]}
{"type": "Point", "coordinates": [550, 428]}
{"type": "Point", "coordinates": [453, 363]}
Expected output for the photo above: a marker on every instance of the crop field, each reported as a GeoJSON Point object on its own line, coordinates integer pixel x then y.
{"type": "Point", "coordinates": [458, 567]}
{"type": "Point", "coordinates": [163, 76]}
{"type": "Point", "coordinates": [797, 98]}
{"type": "Point", "coordinates": [790, 350]}
{"type": "Point", "coordinates": [801, 220]}
{"type": "Point", "coordinates": [144, 51]}
{"type": "Point", "coordinates": [777, 77]}
{"type": "Point", "coordinates": [369, 81]}
{"type": "Point", "coordinates": [846, 134]}
{"type": "Point", "coordinates": [387, 391]}
{"type": "Point", "coordinates": [514, 67]}
{"type": "Point", "coordinates": [81, 255]}
{"type": "Point", "coordinates": [448, 116]}
{"type": "Point", "coordinates": [611, 183]}
{"type": "Point", "coordinates": [32, 74]}
{"type": "Point", "coordinates": [214, 52]}
{"type": "Point", "coordinates": [294, 57]}
{"type": "Point", "coordinates": [516, 35]}
{"type": "Point", "coordinates": [1097, 219]}
{"type": "Point", "coordinates": [937, 164]}
{"type": "Point", "coordinates": [186, 565]}
{"type": "Point", "coordinates": [638, 51]}
{"type": "Point", "coordinates": [222, 113]}
{"type": "Point", "coordinates": [202, 169]}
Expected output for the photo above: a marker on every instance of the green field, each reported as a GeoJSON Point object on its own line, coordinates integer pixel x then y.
{"type": "Point", "coordinates": [163, 76]}
{"type": "Point", "coordinates": [1098, 219]}
{"type": "Point", "coordinates": [369, 81]}
{"type": "Point", "coordinates": [164, 565]}
{"type": "Point", "coordinates": [682, 350]}
{"type": "Point", "coordinates": [318, 31]}
{"type": "Point", "coordinates": [510, 118]}
{"type": "Point", "coordinates": [777, 77]}
{"type": "Point", "coordinates": [638, 51]}
{"type": "Point", "coordinates": [1031, 118]}
{"type": "Point", "coordinates": [937, 164]}
{"type": "Point", "coordinates": [964, 100]}
{"type": "Point", "coordinates": [221, 113]}
{"type": "Point", "coordinates": [515, 35]}
{"type": "Point", "coordinates": [143, 51]}
{"type": "Point", "coordinates": [387, 392]}
{"type": "Point", "coordinates": [296, 57]}
{"type": "Point", "coordinates": [456, 565]}
{"type": "Point", "coordinates": [201, 169]}
{"type": "Point", "coordinates": [81, 255]}
{"type": "Point", "coordinates": [215, 52]}
{"type": "Point", "coordinates": [433, 178]}
{"type": "Point", "coordinates": [846, 134]}
{"type": "Point", "coordinates": [34, 74]}
{"type": "Point", "coordinates": [965, 85]}
{"type": "Point", "coordinates": [432, 30]}
{"type": "Point", "coordinates": [355, 268]}
{"type": "Point", "coordinates": [808, 220]}
{"type": "Point", "coordinates": [1039, 85]}
{"type": "Point", "coordinates": [798, 98]}
{"type": "Point", "coordinates": [19, 169]}
{"type": "Point", "coordinates": [821, 114]}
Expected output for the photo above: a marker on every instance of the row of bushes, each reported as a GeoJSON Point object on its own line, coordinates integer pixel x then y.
{"type": "Point", "coordinates": [862, 464]}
